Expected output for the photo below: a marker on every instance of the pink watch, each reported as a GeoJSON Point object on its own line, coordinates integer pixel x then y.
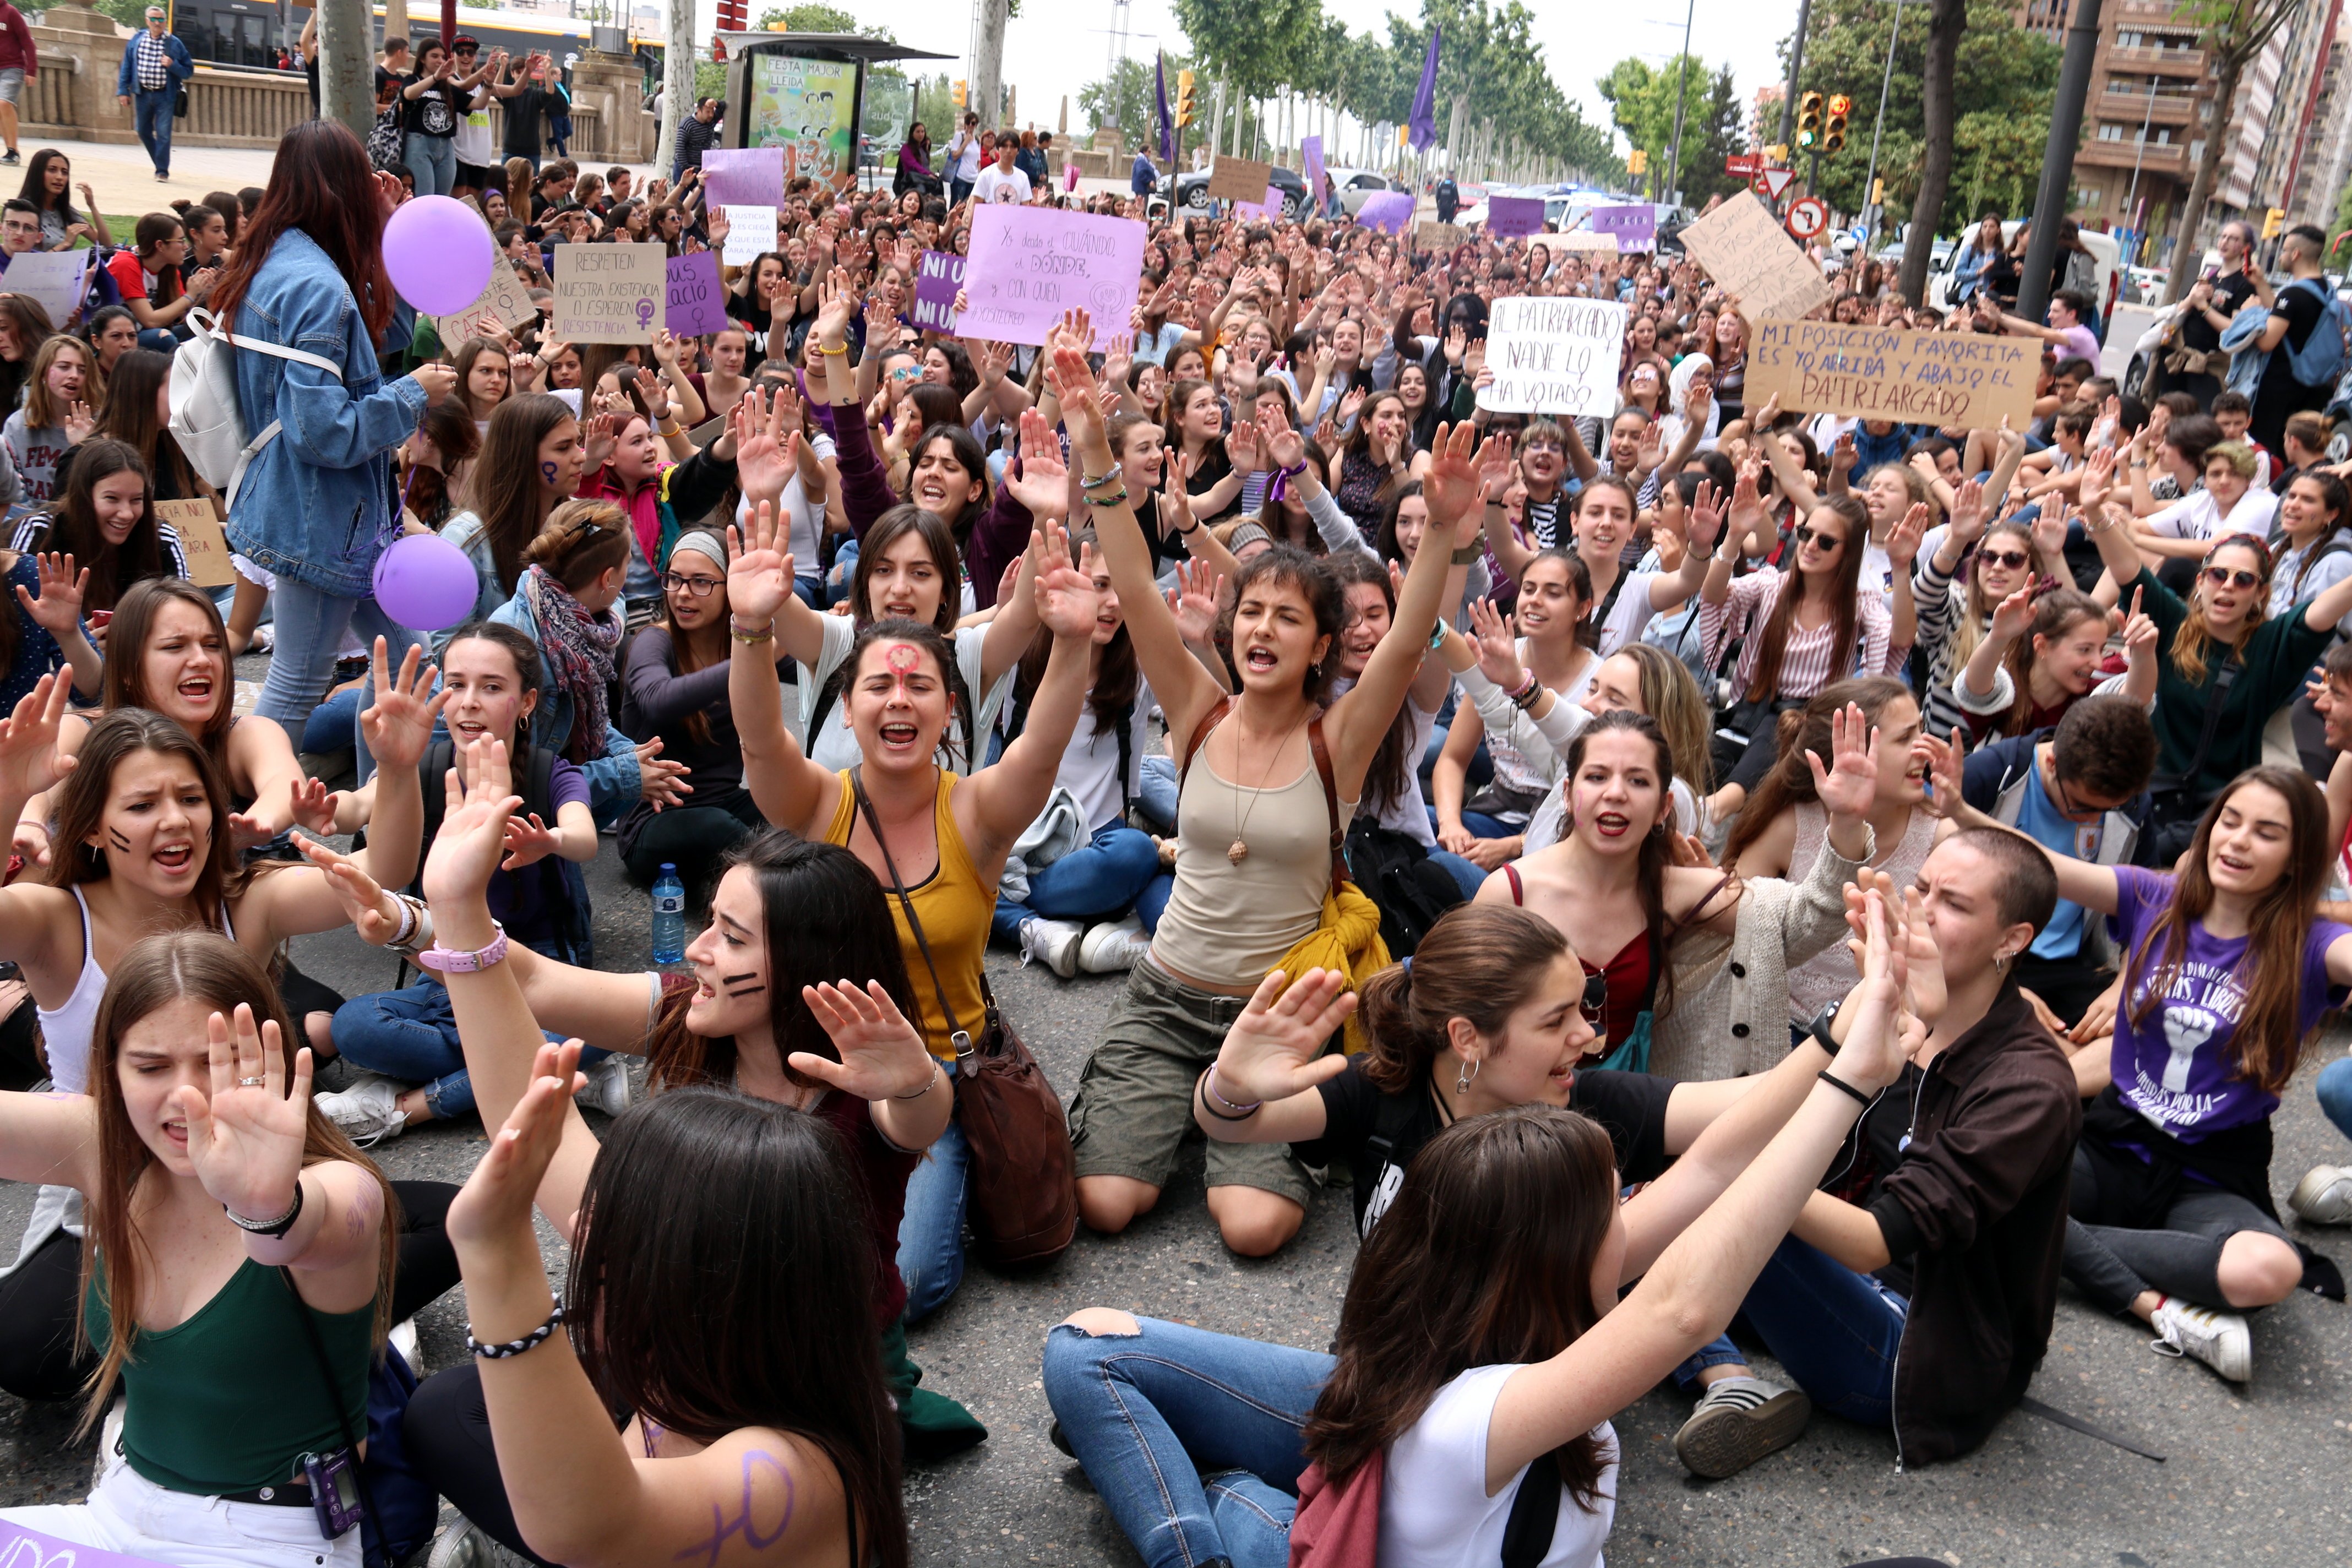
{"type": "Point", "coordinates": [449, 960]}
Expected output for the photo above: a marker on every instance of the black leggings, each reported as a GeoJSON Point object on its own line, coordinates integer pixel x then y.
{"type": "Point", "coordinates": [693, 838]}
{"type": "Point", "coordinates": [2116, 1249]}
{"type": "Point", "coordinates": [40, 1301]}
{"type": "Point", "coordinates": [448, 1434]}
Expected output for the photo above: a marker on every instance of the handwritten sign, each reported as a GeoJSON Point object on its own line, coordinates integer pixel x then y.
{"type": "Point", "coordinates": [1635, 227]}
{"type": "Point", "coordinates": [610, 293]}
{"type": "Point", "coordinates": [1514, 217]}
{"type": "Point", "coordinates": [1028, 264]}
{"type": "Point", "coordinates": [1388, 211]}
{"type": "Point", "coordinates": [747, 176]}
{"type": "Point", "coordinates": [50, 279]}
{"type": "Point", "coordinates": [200, 540]}
{"type": "Point", "coordinates": [1238, 179]}
{"type": "Point", "coordinates": [21, 1548]}
{"type": "Point", "coordinates": [1442, 237]}
{"type": "Point", "coordinates": [1742, 247]}
{"type": "Point", "coordinates": [1963, 380]}
{"type": "Point", "coordinates": [503, 300]}
{"type": "Point", "coordinates": [1310, 152]}
{"type": "Point", "coordinates": [937, 275]}
{"type": "Point", "coordinates": [1583, 239]}
{"type": "Point", "coordinates": [750, 234]}
{"type": "Point", "coordinates": [1553, 355]}
{"type": "Point", "coordinates": [696, 301]}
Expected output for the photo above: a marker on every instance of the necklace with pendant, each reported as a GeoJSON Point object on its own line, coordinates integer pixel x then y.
{"type": "Point", "coordinates": [1238, 850]}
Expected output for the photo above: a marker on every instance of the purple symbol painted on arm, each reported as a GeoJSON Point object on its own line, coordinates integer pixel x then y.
{"type": "Point", "coordinates": [723, 1529]}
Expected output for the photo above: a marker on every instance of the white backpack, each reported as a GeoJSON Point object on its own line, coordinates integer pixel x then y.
{"type": "Point", "coordinates": [205, 417]}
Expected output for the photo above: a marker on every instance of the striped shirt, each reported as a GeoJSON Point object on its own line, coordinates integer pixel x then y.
{"type": "Point", "coordinates": [1805, 661]}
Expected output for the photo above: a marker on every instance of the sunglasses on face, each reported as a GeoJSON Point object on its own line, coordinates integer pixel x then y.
{"type": "Point", "coordinates": [1806, 533]}
{"type": "Point", "coordinates": [2008, 559]}
{"type": "Point", "coordinates": [2225, 577]}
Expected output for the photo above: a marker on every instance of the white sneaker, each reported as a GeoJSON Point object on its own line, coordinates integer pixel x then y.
{"type": "Point", "coordinates": [2219, 1339]}
{"type": "Point", "coordinates": [404, 1340]}
{"type": "Point", "coordinates": [263, 639]}
{"type": "Point", "coordinates": [2324, 1197]}
{"type": "Point", "coordinates": [608, 1086]}
{"type": "Point", "coordinates": [1054, 943]}
{"type": "Point", "coordinates": [1114, 947]}
{"type": "Point", "coordinates": [368, 1111]}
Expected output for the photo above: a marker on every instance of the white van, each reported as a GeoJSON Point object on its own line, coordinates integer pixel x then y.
{"type": "Point", "coordinates": [2104, 252]}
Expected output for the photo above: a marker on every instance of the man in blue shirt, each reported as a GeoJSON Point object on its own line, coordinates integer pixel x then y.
{"type": "Point", "coordinates": [153, 66]}
{"type": "Point", "coordinates": [1144, 178]}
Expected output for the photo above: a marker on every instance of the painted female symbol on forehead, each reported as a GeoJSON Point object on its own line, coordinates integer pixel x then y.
{"type": "Point", "coordinates": [903, 660]}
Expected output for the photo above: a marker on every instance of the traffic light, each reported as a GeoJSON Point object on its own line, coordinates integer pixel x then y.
{"type": "Point", "coordinates": [2272, 222]}
{"type": "Point", "coordinates": [1637, 162]}
{"type": "Point", "coordinates": [1833, 133]}
{"type": "Point", "coordinates": [963, 91]}
{"type": "Point", "coordinates": [1808, 120]}
{"type": "Point", "coordinates": [1186, 108]}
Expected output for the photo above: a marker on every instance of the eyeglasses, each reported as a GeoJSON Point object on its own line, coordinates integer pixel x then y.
{"type": "Point", "coordinates": [1544, 444]}
{"type": "Point", "coordinates": [2008, 559]}
{"type": "Point", "coordinates": [1806, 533]}
{"type": "Point", "coordinates": [694, 587]}
{"type": "Point", "coordinates": [2224, 577]}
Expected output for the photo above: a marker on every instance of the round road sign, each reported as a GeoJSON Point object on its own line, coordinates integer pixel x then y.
{"type": "Point", "coordinates": [1762, 183]}
{"type": "Point", "coordinates": [1807, 217]}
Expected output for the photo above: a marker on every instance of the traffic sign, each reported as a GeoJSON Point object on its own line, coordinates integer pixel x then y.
{"type": "Point", "coordinates": [1743, 162]}
{"type": "Point", "coordinates": [1762, 184]}
{"type": "Point", "coordinates": [1807, 217]}
{"type": "Point", "coordinates": [1777, 181]}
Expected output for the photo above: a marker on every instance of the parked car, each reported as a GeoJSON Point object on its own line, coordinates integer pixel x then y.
{"type": "Point", "coordinates": [1189, 192]}
{"type": "Point", "coordinates": [1357, 186]}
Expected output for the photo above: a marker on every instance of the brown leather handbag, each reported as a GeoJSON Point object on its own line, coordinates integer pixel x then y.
{"type": "Point", "coordinates": [1024, 1197]}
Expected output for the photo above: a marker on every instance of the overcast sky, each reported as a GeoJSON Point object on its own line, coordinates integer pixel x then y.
{"type": "Point", "coordinates": [1056, 46]}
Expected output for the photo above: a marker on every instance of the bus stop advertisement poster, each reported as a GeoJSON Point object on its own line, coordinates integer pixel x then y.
{"type": "Point", "coordinates": [807, 105]}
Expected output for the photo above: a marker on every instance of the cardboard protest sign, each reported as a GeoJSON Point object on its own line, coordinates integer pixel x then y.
{"type": "Point", "coordinates": [1635, 226]}
{"type": "Point", "coordinates": [1959, 379]}
{"type": "Point", "coordinates": [1583, 239]}
{"type": "Point", "coordinates": [51, 278]}
{"type": "Point", "coordinates": [503, 300]}
{"type": "Point", "coordinates": [1514, 217]}
{"type": "Point", "coordinates": [750, 234]}
{"type": "Point", "coordinates": [937, 275]}
{"type": "Point", "coordinates": [1743, 248]}
{"type": "Point", "coordinates": [1028, 264]}
{"type": "Point", "coordinates": [1238, 179]}
{"type": "Point", "coordinates": [202, 540]}
{"type": "Point", "coordinates": [697, 299]}
{"type": "Point", "coordinates": [1388, 211]}
{"type": "Point", "coordinates": [1553, 355]}
{"type": "Point", "coordinates": [1427, 235]}
{"type": "Point", "coordinates": [746, 176]}
{"type": "Point", "coordinates": [610, 293]}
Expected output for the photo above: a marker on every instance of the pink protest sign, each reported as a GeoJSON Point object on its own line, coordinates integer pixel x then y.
{"type": "Point", "coordinates": [1069, 176]}
{"type": "Point", "coordinates": [21, 1548]}
{"type": "Point", "coordinates": [696, 302]}
{"type": "Point", "coordinates": [1388, 211]}
{"type": "Point", "coordinates": [1514, 218]}
{"type": "Point", "coordinates": [748, 176]}
{"type": "Point", "coordinates": [1267, 208]}
{"type": "Point", "coordinates": [1028, 264]}
{"type": "Point", "coordinates": [1310, 151]}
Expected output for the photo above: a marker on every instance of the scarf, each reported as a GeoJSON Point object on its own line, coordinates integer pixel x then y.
{"type": "Point", "coordinates": [580, 647]}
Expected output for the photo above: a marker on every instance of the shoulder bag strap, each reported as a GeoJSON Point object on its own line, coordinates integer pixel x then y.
{"type": "Point", "coordinates": [1675, 927]}
{"type": "Point", "coordinates": [334, 1395]}
{"type": "Point", "coordinates": [1223, 706]}
{"type": "Point", "coordinates": [914, 923]}
{"type": "Point", "coordinates": [1535, 1514]}
{"type": "Point", "coordinates": [1322, 754]}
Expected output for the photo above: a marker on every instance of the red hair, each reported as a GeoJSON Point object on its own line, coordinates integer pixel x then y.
{"type": "Point", "coordinates": [321, 183]}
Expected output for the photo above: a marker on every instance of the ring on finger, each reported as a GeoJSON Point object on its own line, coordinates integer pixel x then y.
{"type": "Point", "coordinates": [251, 1082]}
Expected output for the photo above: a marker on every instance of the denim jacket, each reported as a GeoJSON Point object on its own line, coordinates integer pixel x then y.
{"type": "Point", "coordinates": [316, 503]}
{"type": "Point", "coordinates": [613, 782]}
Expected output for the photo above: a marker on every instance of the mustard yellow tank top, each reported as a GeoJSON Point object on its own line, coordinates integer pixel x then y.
{"type": "Point", "coordinates": [955, 908]}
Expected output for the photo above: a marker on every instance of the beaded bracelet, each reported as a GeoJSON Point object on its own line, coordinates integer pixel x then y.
{"type": "Point", "coordinates": [739, 634]}
{"type": "Point", "coordinates": [531, 1340]}
{"type": "Point", "coordinates": [1101, 478]}
{"type": "Point", "coordinates": [1210, 1099]}
{"type": "Point", "coordinates": [1117, 499]}
{"type": "Point", "coordinates": [1524, 697]}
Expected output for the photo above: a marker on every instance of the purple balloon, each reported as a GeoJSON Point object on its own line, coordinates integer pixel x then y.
{"type": "Point", "coordinates": [439, 254]}
{"type": "Point", "coordinates": [425, 583]}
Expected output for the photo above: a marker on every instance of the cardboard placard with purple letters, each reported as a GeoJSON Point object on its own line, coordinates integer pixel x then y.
{"type": "Point", "coordinates": [1746, 252]}
{"type": "Point", "coordinates": [610, 293]}
{"type": "Point", "coordinates": [937, 275]}
{"type": "Point", "coordinates": [1439, 237]}
{"type": "Point", "coordinates": [1514, 218]}
{"type": "Point", "coordinates": [697, 300]}
{"type": "Point", "coordinates": [746, 176]}
{"type": "Point", "coordinates": [1960, 379]}
{"type": "Point", "coordinates": [1029, 265]}
{"type": "Point", "coordinates": [1238, 179]}
{"type": "Point", "coordinates": [1635, 226]}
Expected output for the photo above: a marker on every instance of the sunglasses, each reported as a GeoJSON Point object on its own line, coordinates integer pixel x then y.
{"type": "Point", "coordinates": [1806, 533]}
{"type": "Point", "coordinates": [2224, 577]}
{"type": "Point", "coordinates": [2008, 559]}
{"type": "Point", "coordinates": [1595, 1003]}
{"type": "Point", "coordinates": [694, 587]}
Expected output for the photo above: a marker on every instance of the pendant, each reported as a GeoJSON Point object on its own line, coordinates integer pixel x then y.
{"type": "Point", "coordinates": [1238, 852]}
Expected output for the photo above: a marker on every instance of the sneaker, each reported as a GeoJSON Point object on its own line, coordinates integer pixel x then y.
{"type": "Point", "coordinates": [1114, 947]}
{"type": "Point", "coordinates": [403, 1337]}
{"type": "Point", "coordinates": [608, 1086]}
{"type": "Point", "coordinates": [10, 160]}
{"type": "Point", "coordinates": [263, 639]}
{"type": "Point", "coordinates": [1740, 1420]}
{"type": "Point", "coordinates": [162, 178]}
{"type": "Point", "coordinates": [2324, 1197]}
{"type": "Point", "coordinates": [1054, 943]}
{"type": "Point", "coordinates": [368, 1112]}
{"type": "Point", "coordinates": [2219, 1339]}
{"type": "Point", "coordinates": [460, 1545]}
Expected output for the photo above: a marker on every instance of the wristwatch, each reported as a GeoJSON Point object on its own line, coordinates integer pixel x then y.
{"type": "Point", "coordinates": [449, 960]}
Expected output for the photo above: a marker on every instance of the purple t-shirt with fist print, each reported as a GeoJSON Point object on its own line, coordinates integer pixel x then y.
{"type": "Point", "coordinates": [2174, 1066]}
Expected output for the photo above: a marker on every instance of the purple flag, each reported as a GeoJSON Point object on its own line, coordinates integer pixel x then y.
{"type": "Point", "coordinates": [1425, 98]}
{"type": "Point", "coordinates": [1167, 121]}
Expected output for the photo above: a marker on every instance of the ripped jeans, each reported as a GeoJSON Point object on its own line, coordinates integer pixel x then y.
{"type": "Point", "coordinates": [1192, 1440]}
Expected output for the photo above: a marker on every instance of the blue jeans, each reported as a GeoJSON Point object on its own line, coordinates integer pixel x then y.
{"type": "Point", "coordinates": [311, 627]}
{"type": "Point", "coordinates": [332, 724]}
{"type": "Point", "coordinates": [1466, 873]}
{"type": "Point", "coordinates": [151, 110]}
{"type": "Point", "coordinates": [1480, 824]}
{"type": "Point", "coordinates": [1098, 882]}
{"type": "Point", "coordinates": [1157, 795]}
{"type": "Point", "coordinates": [1192, 1440]}
{"type": "Point", "coordinates": [1834, 1330]}
{"type": "Point", "coordinates": [412, 1035]}
{"type": "Point", "coordinates": [930, 1233]}
{"type": "Point", "coordinates": [434, 161]}
{"type": "Point", "coordinates": [2335, 1094]}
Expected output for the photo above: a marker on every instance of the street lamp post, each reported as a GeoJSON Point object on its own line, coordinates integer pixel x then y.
{"type": "Point", "coordinates": [1887, 80]}
{"type": "Point", "coordinates": [1682, 91]}
{"type": "Point", "coordinates": [2131, 199]}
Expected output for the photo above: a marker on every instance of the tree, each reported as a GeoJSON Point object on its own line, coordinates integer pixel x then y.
{"type": "Point", "coordinates": [2343, 244]}
{"type": "Point", "coordinates": [1642, 105]}
{"type": "Point", "coordinates": [2232, 32]}
{"type": "Point", "coordinates": [814, 17]}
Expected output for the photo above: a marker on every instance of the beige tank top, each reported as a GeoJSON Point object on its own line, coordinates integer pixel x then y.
{"type": "Point", "coordinates": [1227, 924]}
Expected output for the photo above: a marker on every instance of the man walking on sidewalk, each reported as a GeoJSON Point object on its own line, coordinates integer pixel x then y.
{"type": "Point", "coordinates": [18, 65]}
{"type": "Point", "coordinates": [153, 66]}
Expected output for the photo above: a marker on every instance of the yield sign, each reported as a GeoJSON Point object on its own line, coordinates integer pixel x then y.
{"type": "Point", "coordinates": [1778, 179]}
{"type": "Point", "coordinates": [1808, 218]}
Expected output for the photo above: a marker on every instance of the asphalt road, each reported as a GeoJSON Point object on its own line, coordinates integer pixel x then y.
{"type": "Point", "coordinates": [2251, 1476]}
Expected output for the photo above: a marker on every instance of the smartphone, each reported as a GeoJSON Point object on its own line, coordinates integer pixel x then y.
{"type": "Point", "coordinates": [98, 620]}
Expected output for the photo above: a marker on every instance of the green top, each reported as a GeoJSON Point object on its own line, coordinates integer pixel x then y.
{"type": "Point", "coordinates": [2273, 663]}
{"type": "Point", "coordinates": [231, 1399]}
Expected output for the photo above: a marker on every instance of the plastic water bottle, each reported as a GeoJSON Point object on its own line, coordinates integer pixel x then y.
{"type": "Point", "coordinates": [669, 916]}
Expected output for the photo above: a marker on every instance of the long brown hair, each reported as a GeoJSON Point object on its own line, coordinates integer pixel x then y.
{"type": "Point", "coordinates": [79, 803]}
{"type": "Point", "coordinates": [206, 968]}
{"type": "Point", "coordinates": [126, 674]}
{"type": "Point", "coordinates": [1657, 851]}
{"type": "Point", "coordinates": [2053, 613]}
{"type": "Point", "coordinates": [1480, 962]}
{"type": "Point", "coordinates": [127, 416]}
{"type": "Point", "coordinates": [1395, 757]}
{"type": "Point", "coordinates": [1806, 730]}
{"type": "Point", "coordinates": [2188, 644]}
{"type": "Point", "coordinates": [74, 526]}
{"type": "Point", "coordinates": [41, 410]}
{"type": "Point", "coordinates": [1974, 619]}
{"type": "Point", "coordinates": [506, 483]}
{"type": "Point", "coordinates": [321, 183]}
{"type": "Point", "coordinates": [1484, 1258]}
{"type": "Point", "coordinates": [945, 559]}
{"type": "Point", "coordinates": [1670, 697]}
{"type": "Point", "coordinates": [685, 657]}
{"type": "Point", "coordinates": [1845, 584]}
{"type": "Point", "coordinates": [2268, 1043]}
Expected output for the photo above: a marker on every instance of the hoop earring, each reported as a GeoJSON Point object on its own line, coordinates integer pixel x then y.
{"type": "Point", "coordinates": [1467, 1075]}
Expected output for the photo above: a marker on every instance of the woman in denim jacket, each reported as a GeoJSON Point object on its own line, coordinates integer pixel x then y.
{"type": "Point", "coordinates": [315, 507]}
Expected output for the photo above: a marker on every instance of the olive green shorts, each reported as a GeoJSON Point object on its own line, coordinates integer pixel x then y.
{"type": "Point", "coordinates": [1134, 1103]}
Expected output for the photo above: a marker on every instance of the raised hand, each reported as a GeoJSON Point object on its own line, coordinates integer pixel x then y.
{"type": "Point", "coordinates": [1454, 478]}
{"type": "Point", "coordinates": [759, 571]}
{"type": "Point", "coordinates": [1705, 517]}
{"type": "Point", "coordinates": [1194, 601]}
{"type": "Point", "coordinates": [1067, 603]}
{"type": "Point", "coordinates": [2012, 616]}
{"type": "Point", "coordinates": [1498, 649]}
{"type": "Point", "coordinates": [373, 912]}
{"type": "Point", "coordinates": [57, 609]}
{"type": "Point", "coordinates": [1903, 543]}
{"type": "Point", "coordinates": [1849, 785]}
{"type": "Point", "coordinates": [245, 1138]}
{"type": "Point", "coordinates": [29, 762]}
{"type": "Point", "coordinates": [495, 1205]}
{"type": "Point", "coordinates": [472, 841]}
{"type": "Point", "coordinates": [1241, 446]}
{"type": "Point", "coordinates": [1275, 1049]}
{"type": "Point", "coordinates": [1871, 1057]}
{"type": "Point", "coordinates": [1947, 763]}
{"type": "Point", "coordinates": [1279, 440]}
{"type": "Point", "coordinates": [1074, 387]}
{"type": "Point", "coordinates": [399, 725]}
{"type": "Point", "coordinates": [882, 1055]}
{"type": "Point", "coordinates": [314, 807]}
{"type": "Point", "coordinates": [79, 423]}
{"type": "Point", "coordinates": [1043, 484]}
{"type": "Point", "coordinates": [1968, 515]}
{"type": "Point", "coordinates": [836, 302]}
{"type": "Point", "coordinates": [599, 436]}
{"type": "Point", "coordinates": [2098, 473]}
{"type": "Point", "coordinates": [765, 429]}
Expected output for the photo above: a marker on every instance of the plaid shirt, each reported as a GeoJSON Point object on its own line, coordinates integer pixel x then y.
{"type": "Point", "coordinates": [150, 62]}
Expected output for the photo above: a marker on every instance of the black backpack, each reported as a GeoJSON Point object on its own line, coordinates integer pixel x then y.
{"type": "Point", "coordinates": [1395, 870]}
{"type": "Point", "coordinates": [564, 888]}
